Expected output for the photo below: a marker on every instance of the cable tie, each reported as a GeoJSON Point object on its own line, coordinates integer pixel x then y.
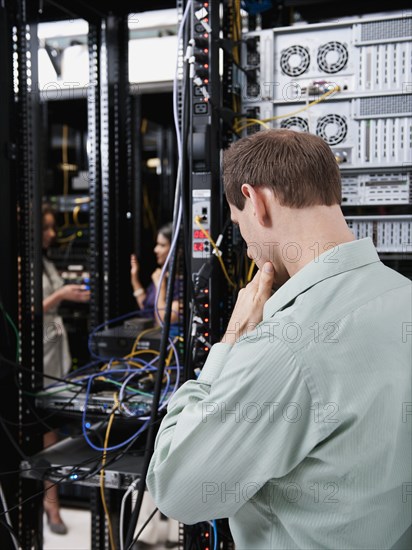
{"type": "Point", "coordinates": [207, 27]}
{"type": "Point", "coordinates": [201, 14]}
{"type": "Point", "coordinates": [205, 93]}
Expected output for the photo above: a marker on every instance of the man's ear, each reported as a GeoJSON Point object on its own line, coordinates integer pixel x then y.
{"type": "Point", "coordinates": [258, 201]}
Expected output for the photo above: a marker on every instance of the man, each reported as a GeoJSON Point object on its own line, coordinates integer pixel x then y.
{"type": "Point", "coordinates": [298, 427]}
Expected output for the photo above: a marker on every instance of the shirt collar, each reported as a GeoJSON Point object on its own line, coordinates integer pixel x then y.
{"type": "Point", "coordinates": [339, 259]}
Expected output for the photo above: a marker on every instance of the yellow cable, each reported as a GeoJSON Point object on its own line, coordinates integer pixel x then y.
{"type": "Point", "coordinates": [148, 212]}
{"type": "Point", "coordinates": [76, 211]}
{"type": "Point", "coordinates": [102, 495]}
{"type": "Point", "coordinates": [293, 113]}
{"type": "Point", "coordinates": [138, 337]}
{"type": "Point", "coordinates": [250, 272]}
{"type": "Point", "coordinates": [236, 30]}
{"type": "Point", "coordinates": [251, 122]}
{"type": "Point", "coordinates": [130, 356]}
{"type": "Point", "coordinates": [236, 27]}
{"type": "Point", "coordinates": [134, 353]}
{"type": "Point", "coordinates": [65, 161]}
{"type": "Point", "coordinates": [138, 365]}
{"type": "Point", "coordinates": [321, 98]}
{"type": "Point", "coordinates": [68, 239]}
{"type": "Point", "coordinates": [212, 242]}
{"type": "Point", "coordinates": [142, 352]}
{"type": "Point", "coordinates": [169, 357]}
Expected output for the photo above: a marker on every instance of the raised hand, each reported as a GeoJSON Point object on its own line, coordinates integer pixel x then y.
{"type": "Point", "coordinates": [248, 310]}
{"type": "Point", "coordinates": [134, 267]}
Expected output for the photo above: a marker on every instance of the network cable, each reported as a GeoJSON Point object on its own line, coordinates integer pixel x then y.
{"type": "Point", "coordinates": [172, 254]}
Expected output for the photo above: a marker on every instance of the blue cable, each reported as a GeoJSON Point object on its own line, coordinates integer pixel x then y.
{"type": "Point", "coordinates": [213, 522]}
{"type": "Point", "coordinates": [84, 413]}
{"type": "Point", "coordinates": [84, 429]}
{"type": "Point", "coordinates": [72, 373]}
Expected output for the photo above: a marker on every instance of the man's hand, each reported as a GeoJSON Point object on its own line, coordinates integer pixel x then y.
{"type": "Point", "coordinates": [248, 311]}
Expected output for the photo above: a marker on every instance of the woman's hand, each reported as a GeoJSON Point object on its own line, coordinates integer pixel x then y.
{"type": "Point", "coordinates": [74, 293]}
{"type": "Point", "coordinates": [134, 268]}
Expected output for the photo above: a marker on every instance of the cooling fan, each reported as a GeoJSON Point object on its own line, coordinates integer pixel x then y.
{"type": "Point", "coordinates": [295, 123]}
{"type": "Point", "coordinates": [332, 57]}
{"type": "Point", "coordinates": [332, 128]}
{"type": "Point", "coordinates": [295, 60]}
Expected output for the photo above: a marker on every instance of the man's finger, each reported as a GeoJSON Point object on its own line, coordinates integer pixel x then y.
{"type": "Point", "coordinates": [255, 281]}
{"type": "Point", "coordinates": [267, 275]}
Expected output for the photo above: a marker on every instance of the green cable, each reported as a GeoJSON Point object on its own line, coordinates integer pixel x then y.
{"type": "Point", "coordinates": [129, 388]}
{"type": "Point", "coordinates": [43, 393]}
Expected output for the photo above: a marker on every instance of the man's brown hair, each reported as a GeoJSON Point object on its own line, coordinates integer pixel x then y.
{"type": "Point", "coordinates": [300, 168]}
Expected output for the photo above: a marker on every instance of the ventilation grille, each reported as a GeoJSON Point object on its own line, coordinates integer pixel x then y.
{"type": "Point", "coordinates": [295, 60]}
{"type": "Point", "coordinates": [332, 128]}
{"type": "Point", "coordinates": [295, 123]}
{"type": "Point", "coordinates": [389, 233]}
{"type": "Point", "coordinates": [332, 57]}
{"type": "Point", "coordinates": [381, 30]}
{"type": "Point", "coordinates": [386, 105]}
{"type": "Point", "coordinates": [377, 189]}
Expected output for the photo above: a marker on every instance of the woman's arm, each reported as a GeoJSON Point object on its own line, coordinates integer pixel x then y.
{"type": "Point", "coordinates": [161, 304]}
{"type": "Point", "coordinates": [138, 290]}
{"type": "Point", "coordinates": [71, 293]}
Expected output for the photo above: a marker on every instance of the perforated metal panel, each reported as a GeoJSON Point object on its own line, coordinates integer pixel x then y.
{"type": "Point", "coordinates": [377, 189]}
{"type": "Point", "coordinates": [295, 60]}
{"type": "Point", "coordinates": [296, 123]}
{"type": "Point", "coordinates": [385, 105]}
{"type": "Point", "coordinates": [389, 233]}
{"type": "Point", "coordinates": [332, 57]}
{"type": "Point", "coordinates": [332, 128]}
{"type": "Point", "coordinates": [384, 30]}
{"type": "Point", "coordinates": [360, 228]}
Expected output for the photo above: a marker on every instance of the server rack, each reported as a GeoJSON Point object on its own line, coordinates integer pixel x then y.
{"type": "Point", "coordinates": [22, 291]}
{"type": "Point", "coordinates": [24, 105]}
{"type": "Point", "coordinates": [109, 183]}
{"type": "Point", "coordinates": [346, 81]}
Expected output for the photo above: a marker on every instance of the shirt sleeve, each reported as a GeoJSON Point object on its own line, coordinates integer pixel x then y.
{"type": "Point", "coordinates": [245, 420]}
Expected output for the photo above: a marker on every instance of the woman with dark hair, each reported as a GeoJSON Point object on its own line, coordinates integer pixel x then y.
{"type": "Point", "coordinates": [56, 353]}
{"type": "Point", "coordinates": [145, 298]}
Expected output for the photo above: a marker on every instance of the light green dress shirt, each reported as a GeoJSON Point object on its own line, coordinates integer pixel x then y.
{"type": "Point", "coordinates": [300, 433]}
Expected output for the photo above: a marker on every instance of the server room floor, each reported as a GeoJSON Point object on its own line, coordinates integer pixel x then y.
{"type": "Point", "coordinates": [79, 524]}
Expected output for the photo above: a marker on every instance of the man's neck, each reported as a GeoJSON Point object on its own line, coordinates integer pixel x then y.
{"type": "Point", "coordinates": [309, 233]}
{"type": "Point", "coordinates": [310, 249]}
